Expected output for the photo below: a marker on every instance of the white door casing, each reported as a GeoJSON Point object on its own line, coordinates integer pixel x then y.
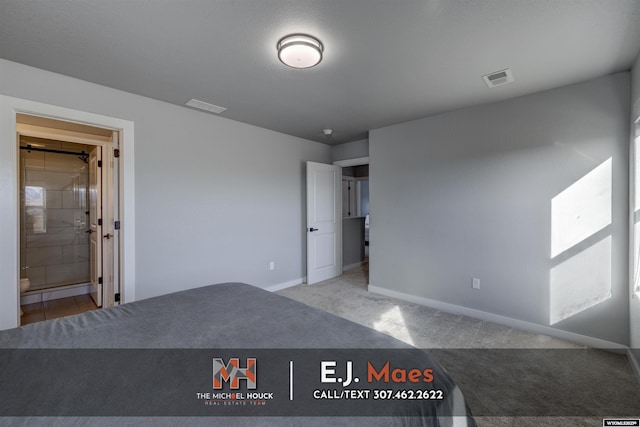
{"type": "Point", "coordinates": [113, 247]}
{"type": "Point", "coordinates": [109, 214]}
{"type": "Point", "coordinates": [324, 222]}
{"type": "Point", "coordinates": [95, 225]}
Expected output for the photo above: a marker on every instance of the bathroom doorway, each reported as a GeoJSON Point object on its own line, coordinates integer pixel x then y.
{"type": "Point", "coordinates": [68, 206]}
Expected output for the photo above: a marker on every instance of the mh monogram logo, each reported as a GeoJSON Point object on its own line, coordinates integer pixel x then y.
{"type": "Point", "coordinates": [232, 373]}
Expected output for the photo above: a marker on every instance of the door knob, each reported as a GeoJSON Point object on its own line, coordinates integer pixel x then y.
{"type": "Point", "coordinates": [313, 229]}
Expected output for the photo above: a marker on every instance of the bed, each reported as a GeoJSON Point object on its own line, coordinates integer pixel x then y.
{"type": "Point", "coordinates": [228, 354]}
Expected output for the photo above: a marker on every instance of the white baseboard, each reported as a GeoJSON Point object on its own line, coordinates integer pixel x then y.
{"type": "Point", "coordinates": [285, 285]}
{"type": "Point", "coordinates": [635, 363]}
{"type": "Point", "coordinates": [354, 265]}
{"type": "Point", "coordinates": [55, 293]}
{"type": "Point", "coordinates": [502, 320]}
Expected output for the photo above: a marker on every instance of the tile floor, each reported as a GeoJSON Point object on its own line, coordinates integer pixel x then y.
{"type": "Point", "coordinates": [53, 309]}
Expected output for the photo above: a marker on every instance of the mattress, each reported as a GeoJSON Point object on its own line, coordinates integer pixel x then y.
{"type": "Point", "coordinates": [225, 354]}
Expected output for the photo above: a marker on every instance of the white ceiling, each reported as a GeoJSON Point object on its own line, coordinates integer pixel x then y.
{"type": "Point", "coordinates": [385, 61]}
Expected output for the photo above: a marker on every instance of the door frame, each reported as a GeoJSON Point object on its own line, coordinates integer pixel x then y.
{"type": "Point", "coordinates": [108, 196]}
{"type": "Point", "coordinates": [10, 197]}
{"type": "Point", "coordinates": [358, 161]}
{"type": "Point", "coordinates": [96, 217]}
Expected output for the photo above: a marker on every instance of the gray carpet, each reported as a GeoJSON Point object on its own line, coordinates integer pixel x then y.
{"type": "Point", "coordinates": [532, 379]}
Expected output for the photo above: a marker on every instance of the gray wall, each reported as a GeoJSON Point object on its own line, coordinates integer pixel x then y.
{"type": "Point", "coordinates": [352, 241]}
{"type": "Point", "coordinates": [216, 200]}
{"type": "Point", "coordinates": [469, 194]}
{"type": "Point", "coordinates": [350, 150]}
{"type": "Point", "coordinates": [635, 88]}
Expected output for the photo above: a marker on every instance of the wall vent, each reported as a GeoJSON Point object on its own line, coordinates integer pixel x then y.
{"type": "Point", "coordinates": [201, 105]}
{"type": "Point", "coordinates": [498, 78]}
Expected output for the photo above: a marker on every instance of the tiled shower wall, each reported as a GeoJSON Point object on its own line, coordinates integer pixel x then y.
{"type": "Point", "coordinates": [54, 244]}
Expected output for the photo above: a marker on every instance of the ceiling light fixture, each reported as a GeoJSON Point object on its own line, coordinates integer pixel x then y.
{"type": "Point", "coordinates": [300, 51]}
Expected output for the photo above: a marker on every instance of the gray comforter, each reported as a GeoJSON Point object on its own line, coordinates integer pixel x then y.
{"type": "Point", "coordinates": [218, 317]}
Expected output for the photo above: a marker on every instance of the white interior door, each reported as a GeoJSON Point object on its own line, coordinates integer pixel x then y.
{"type": "Point", "coordinates": [95, 226]}
{"type": "Point", "coordinates": [324, 222]}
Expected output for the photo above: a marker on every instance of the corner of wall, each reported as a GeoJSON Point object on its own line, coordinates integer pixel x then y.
{"type": "Point", "coordinates": [634, 360]}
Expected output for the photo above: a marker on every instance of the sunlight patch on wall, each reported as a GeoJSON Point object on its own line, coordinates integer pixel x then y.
{"type": "Point", "coordinates": [583, 277]}
{"type": "Point", "coordinates": [392, 323]}
{"type": "Point", "coordinates": [581, 282]}
{"type": "Point", "coordinates": [581, 210]}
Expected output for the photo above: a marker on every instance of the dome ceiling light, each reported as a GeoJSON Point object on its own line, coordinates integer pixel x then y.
{"type": "Point", "coordinates": [300, 51]}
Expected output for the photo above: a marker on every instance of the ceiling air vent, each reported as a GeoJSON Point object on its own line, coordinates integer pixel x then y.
{"type": "Point", "coordinates": [201, 105]}
{"type": "Point", "coordinates": [498, 78]}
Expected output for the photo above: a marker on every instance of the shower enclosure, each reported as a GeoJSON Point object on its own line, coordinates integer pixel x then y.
{"type": "Point", "coordinates": [54, 211]}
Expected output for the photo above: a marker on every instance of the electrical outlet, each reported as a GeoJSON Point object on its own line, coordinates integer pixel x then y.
{"type": "Point", "coordinates": [475, 283]}
{"type": "Point", "coordinates": [272, 265]}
